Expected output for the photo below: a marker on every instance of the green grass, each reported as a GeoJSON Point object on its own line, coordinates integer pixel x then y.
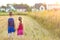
{"type": "Point", "coordinates": [3, 13]}
{"type": "Point", "coordinates": [14, 13]}
{"type": "Point", "coordinates": [20, 13]}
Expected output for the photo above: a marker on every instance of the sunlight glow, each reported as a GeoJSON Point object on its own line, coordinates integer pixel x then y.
{"type": "Point", "coordinates": [29, 2]}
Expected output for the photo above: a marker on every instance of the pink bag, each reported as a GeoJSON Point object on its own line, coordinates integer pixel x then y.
{"type": "Point", "coordinates": [20, 32]}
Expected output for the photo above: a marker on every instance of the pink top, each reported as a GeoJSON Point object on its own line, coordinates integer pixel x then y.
{"type": "Point", "coordinates": [20, 27]}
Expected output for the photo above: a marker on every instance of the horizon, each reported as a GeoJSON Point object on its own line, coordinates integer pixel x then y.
{"type": "Point", "coordinates": [29, 2]}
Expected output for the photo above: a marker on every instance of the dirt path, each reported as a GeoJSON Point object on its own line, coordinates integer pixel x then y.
{"type": "Point", "coordinates": [32, 30]}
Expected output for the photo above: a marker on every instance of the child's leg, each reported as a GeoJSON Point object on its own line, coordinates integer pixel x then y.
{"type": "Point", "coordinates": [21, 37]}
{"type": "Point", "coordinates": [12, 35]}
{"type": "Point", "coordinates": [9, 36]}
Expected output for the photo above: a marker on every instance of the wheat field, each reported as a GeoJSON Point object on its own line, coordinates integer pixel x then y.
{"type": "Point", "coordinates": [32, 30]}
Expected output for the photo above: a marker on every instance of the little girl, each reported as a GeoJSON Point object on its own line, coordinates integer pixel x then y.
{"type": "Point", "coordinates": [20, 28]}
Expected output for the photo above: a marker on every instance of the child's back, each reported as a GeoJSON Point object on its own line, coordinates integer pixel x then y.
{"type": "Point", "coordinates": [11, 22]}
{"type": "Point", "coordinates": [20, 27]}
{"type": "Point", "coordinates": [11, 27]}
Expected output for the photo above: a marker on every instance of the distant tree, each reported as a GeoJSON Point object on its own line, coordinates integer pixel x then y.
{"type": "Point", "coordinates": [28, 8]}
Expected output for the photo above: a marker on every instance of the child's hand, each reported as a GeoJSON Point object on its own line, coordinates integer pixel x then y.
{"type": "Point", "coordinates": [15, 29]}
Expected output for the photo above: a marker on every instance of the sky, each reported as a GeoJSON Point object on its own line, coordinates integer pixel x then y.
{"type": "Point", "coordinates": [29, 2]}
